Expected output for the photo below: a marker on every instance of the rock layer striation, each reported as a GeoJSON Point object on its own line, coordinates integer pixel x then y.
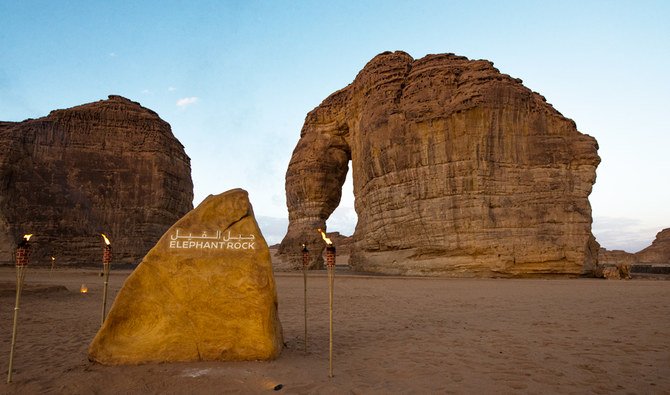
{"type": "Point", "coordinates": [457, 170]}
{"type": "Point", "coordinates": [110, 167]}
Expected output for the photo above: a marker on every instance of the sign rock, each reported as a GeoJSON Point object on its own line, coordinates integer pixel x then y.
{"type": "Point", "coordinates": [204, 292]}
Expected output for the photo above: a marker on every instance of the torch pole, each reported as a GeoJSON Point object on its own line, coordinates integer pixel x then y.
{"type": "Point", "coordinates": [20, 275]}
{"type": "Point", "coordinates": [104, 294]}
{"type": "Point", "coordinates": [330, 263]}
{"type": "Point", "coordinates": [21, 263]}
{"type": "Point", "coordinates": [305, 263]}
{"type": "Point", "coordinates": [106, 259]}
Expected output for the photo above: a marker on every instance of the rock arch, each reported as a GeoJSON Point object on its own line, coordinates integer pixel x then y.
{"type": "Point", "coordinates": [458, 170]}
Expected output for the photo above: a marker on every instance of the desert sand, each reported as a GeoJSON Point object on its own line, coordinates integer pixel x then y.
{"type": "Point", "coordinates": [392, 335]}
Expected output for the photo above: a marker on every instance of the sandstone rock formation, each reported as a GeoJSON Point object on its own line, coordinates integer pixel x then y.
{"type": "Point", "coordinates": [110, 167]}
{"type": "Point", "coordinates": [657, 253]}
{"type": "Point", "coordinates": [342, 242]}
{"type": "Point", "coordinates": [615, 257]}
{"type": "Point", "coordinates": [205, 292]}
{"type": "Point", "coordinates": [614, 272]}
{"type": "Point", "coordinates": [458, 170]}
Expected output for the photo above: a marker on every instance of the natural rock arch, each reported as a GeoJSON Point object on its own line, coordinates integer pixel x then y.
{"type": "Point", "coordinates": [458, 170]}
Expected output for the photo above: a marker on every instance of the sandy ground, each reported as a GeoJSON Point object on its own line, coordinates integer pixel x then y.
{"type": "Point", "coordinates": [392, 335]}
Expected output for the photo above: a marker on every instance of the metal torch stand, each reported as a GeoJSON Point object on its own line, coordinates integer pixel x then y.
{"type": "Point", "coordinates": [21, 263]}
{"type": "Point", "coordinates": [305, 263]}
{"type": "Point", "coordinates": [330, 264]}
{"type": "Point", "coordinates": [106, 259]}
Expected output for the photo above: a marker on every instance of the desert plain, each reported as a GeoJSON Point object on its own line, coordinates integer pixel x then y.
{"type": "Point", "coordinates": [391, 335]}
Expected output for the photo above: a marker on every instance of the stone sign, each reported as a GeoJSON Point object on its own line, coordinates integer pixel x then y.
{"type": "Point", "coordinates": [205, 292]}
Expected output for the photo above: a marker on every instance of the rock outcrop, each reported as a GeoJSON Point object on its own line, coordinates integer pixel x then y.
{"type": "Point", "coordinates": [657, 253]}
{"type": "Point", "coordinates": [458, 170]}
{"type": "Point", "coordinates": [110, 167]}
{"type": "Point", "coordinates": [205, 292]}
{"type": "Point", "coordinates": [616, 272]}
{"type": "Point", "coordinates": [615, 257]}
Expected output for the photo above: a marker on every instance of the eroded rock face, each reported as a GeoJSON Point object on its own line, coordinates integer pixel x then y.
{"type": "Point", "coordinates": [205, 292]}
{"type": "Point", "coordinates": [458, 170]}
{"type": "Point", "coordinates": [614, 257]}
{"type": "Point", "coordinates": [110, 167]}
{"type": "Point", "coordinates": [658, 251]}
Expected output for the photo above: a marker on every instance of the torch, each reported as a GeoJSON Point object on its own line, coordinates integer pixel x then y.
{"type": "Point", "coordinates": [305, 262]}
{"type": "Point", "coordinates": [22, 255]}
{"type": "Point", "coordinates": [53, 264]}
{"type": "Point", "coordinates": [106, 260]}
{"type": "Point", "coordinates": [330, 265]}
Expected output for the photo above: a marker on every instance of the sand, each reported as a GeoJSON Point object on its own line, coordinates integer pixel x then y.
{"type": "Point", "coordinates": [392, 335]}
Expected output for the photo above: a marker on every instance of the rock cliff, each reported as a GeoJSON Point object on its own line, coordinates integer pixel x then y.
{"type": "Point", "coordinates": [458, 170]}
{"type": "Point", "coordinates": [110, 167]}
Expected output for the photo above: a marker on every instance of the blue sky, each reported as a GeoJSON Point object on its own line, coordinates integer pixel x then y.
{"type": "Point", "coordinates": [235, 80]}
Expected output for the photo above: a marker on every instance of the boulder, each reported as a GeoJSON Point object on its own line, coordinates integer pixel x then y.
{"type": "Point", "coordinates": [458, 170]}
{"type": "Point", "coordinates": [110, 167]}
{"type": "Point", "coordinates": [613, 272]}
{"type": "Point", "coordinates": [204, 292]}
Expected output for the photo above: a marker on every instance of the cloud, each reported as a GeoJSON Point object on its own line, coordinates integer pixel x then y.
{"type": "Point", "coordinates": [187, 101]}
{"type": "Point", "coordinates": [112, 54]}
{"type": "Point", "coordinates": [343, 220]}
{"type": "Point", "coordinates": [171, 89]}
{"type": "Point", "coordinates": [273, 228]}
{"type": "Point", "coordinates": [628, 234]}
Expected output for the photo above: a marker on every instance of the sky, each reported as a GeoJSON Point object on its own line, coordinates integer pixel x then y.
{"type": "Point", "coordinates": [235, 80]}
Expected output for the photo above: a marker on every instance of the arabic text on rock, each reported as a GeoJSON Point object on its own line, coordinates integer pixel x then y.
{"type": "Point", "coordinates": [227, 242]}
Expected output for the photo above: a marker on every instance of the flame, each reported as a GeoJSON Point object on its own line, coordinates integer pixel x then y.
{"type": "Point", "coordinates": [105, 238]}
{"type": "Point", "coordinates": [27, 237]}
{"type": "Point", "coordinates": [326, 239]}
{"type": "Point", "coordinates": [53, 259]}
{"type": "Point", "coordinates": [83, 289]}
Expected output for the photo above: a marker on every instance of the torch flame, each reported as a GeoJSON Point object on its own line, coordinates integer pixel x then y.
{"type": "Point", "coordinates": [27, 237]}
{"type": "Point", "coordinates": [323, 236]}
{"type": "Point", "coordinates": [105, 238]}
{"type": "Point", "coordinates": [83, 289]}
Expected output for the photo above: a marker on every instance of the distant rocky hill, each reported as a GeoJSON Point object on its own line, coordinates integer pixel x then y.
{"type": "Point", "coordinates": [110, 167]}
{"type": "Point", "coordinates": [458, 170]}
{"type": "Point", "coordinates": [657, 253]}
